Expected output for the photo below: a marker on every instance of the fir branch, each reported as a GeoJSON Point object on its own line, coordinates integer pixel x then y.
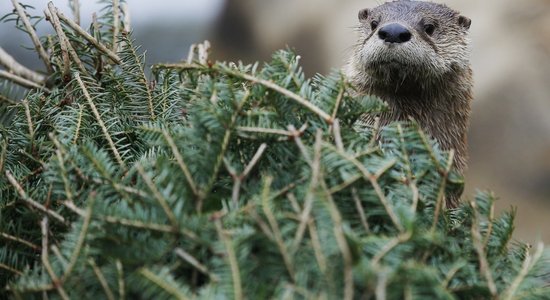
{"type": "Point", "coordinates": [181, 162]}
{"type": "Point", "coordinates": [29, 201]}
{"type": "Point", "coordinates": [528, 263]}
{"type": "Point", "coordinates": [360, 209]}
{"type": "Point", "coordinates": [19, 240]}
{"type": "Point", "coordinates": [102, 280]}
{"type": "Point", "coordinates": [268, 84]}
{"type": "Point", "coordinates": [158, 196]}
{"type": "Point", "coordinates": [264, 130]}
{"type": "Point", "coordinates": [441, 193]}
{"type": "Point", "coordinates": [120, 280]}
{"type": "Point", "coordinates": [149, 275]}
{"type": "Point", "coordinates": [238, 179]}
{"type": "Point", "coordinates": [81, 237]}
{"type": "Point", "coordinates": [195, 263]}
{"type": "Point", "coordinates": [484, 266]}
{"type": "Point", "coordinates": [99, 120]}
{"type": "Point", "coordinates": [402, 238]}
{"type": "Point", "coordinates": [232, 259]}
{"type": "Point", "coordinates": [46, 260]}
{"type": "Point", "coordinates": [32, 33]}
{"type": "Point", "coordinates": [10, 269]}
{"type": "Point", "coordinates": [266, 206]}
{"type": "Point", "coordinates": [88, 37]}
{"type": "Point", "coordinates": [373, 180]}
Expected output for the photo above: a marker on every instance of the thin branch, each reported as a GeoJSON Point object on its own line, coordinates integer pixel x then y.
{"type": "Point", "coordinates": [158, 196]}
{"type": "Point", "coordinates": [30, 201]}
{"type": "Point", "coordinates": [360, 210]}
{"type": "Point", "coordinates": [195, 263]}
{"type": "Point", "coordinates": [100, 121]}
{"type": "Point", "coordinates": [52, 17]}
{"type": "Point", "coordinates": [402, 238]}
{"type": "Point", "coordinates": [29, 118]}
{"type": "Point", "coordinates": [266, 83]}
{"type": "Point", "coordinates": [32, 33]}
{"type": "Point", "coordinates": [66, 47]}
{"type": "Point", "coordinates": [10, 269]}
{"type": "Point", "coordinates": [88, 37]}
{"type": "Point", "coordinates": [126, 21]}
{"type": "Point", "coordinates": [441, 194]}
{"type": "Point", "coordinates": [239, 178]}
{"type": "Point", "coordinates": [181, 162]}
{"type": "Point", "coordinates": [232, 259]}
{"type": "Point", "coordinates": [15, 67]}
{"type": "Point", "coordinates": [116, 25]}
{"type": "Point", "coordinates": [264, 130]}
{"type": "Point", "coordinates": [528, 264]}
{"type": "Point", "coordinates": [102, 280]}
{"type": "Point", "coordinates": [46, 260]}
{"type": "Point", "coordinates": [81, 237]}
{"type": "Point", "coordinates": [484, 267]}
{"type": "Point", "coordinates": [337, 135]}
{"type": "Point", "coordinates": [75, 7]}
{"type": "Point", "coordinates": [287, 258]}
{"type": "Point", "coordinates": [149, 275]}
{"type": "Point", "coordinates": [19, 240]}
{"type": "Point", "coordinates": [22, 81]}
{"type": "Point", "coordinates": [11, 102]}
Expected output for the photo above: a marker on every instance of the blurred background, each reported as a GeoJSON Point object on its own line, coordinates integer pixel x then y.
{"type": "Point", "coordinates": [510, 129]}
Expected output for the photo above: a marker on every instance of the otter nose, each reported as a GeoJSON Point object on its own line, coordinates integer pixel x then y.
{"type": "Point", "coordinates": [394, 33]}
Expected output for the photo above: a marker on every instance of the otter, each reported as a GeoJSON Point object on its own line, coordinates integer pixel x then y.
{"type": "Point", "coordinates": [414, 55]}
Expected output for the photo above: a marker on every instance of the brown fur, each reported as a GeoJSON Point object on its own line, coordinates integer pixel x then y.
{"type": "Point", "coordinates": [427, 78]}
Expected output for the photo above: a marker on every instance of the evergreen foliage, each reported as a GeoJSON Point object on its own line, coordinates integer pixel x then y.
{"type": "Point", "coordinates": [223, 180]}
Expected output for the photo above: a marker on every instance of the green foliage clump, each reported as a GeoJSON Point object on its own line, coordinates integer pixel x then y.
{"type": "Point", "coordinates": [218, 180]}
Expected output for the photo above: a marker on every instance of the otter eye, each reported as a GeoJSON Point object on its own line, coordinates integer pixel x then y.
{"type": "Point", "coordinates": [373, 25]}
{"type": "Point", "coordinates": [429, 29]}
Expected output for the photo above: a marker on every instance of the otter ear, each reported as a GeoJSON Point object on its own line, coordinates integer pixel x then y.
{"type": "Point", "coordinates": [363, 14]}
{"type": "Point", "coordinates": [464, 22]}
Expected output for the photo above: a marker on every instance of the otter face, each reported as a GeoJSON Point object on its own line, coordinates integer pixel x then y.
{"type": "Point", "coordinates": [412, 41]}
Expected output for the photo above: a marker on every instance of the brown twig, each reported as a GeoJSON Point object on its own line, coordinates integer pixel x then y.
{"type": "Point", "coordinates": [16, 68]}
{"type": "Point", "coordinates": [22, 81]}
{"type": "Point", "coordinates": [116, 25]}
{"type": "Point", "coordinates": [19, 240]}
{"type": "Point", "coordinates": [88, 37]}
{"type": "Point", "coordinates": [32, 33]}
{"type": "Point", "coordinates": [75, 7]}
{"type": "Point", "coordinates": [46, 260]}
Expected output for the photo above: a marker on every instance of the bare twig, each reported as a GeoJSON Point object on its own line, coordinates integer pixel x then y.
{"type": "Point", "coordinates": [116, 25]}
{"type": "Point", "coordinates": [29, 118]}
{"type": "Point", "coordinates": [15, 67]}
{"type": "Point", "coordinates": [22, 81]}
{"type": "Point", "coordinates": [67, 49]}
{"type": "Point", "coordinates": [239, 178]}
{"type": "Point", "coordinates": [127, 20]}
{"type": "Point", "coordinates": [88, 37]}
{"type": "Point", "coordinates": [10, 269]}
{"type": "Point", "coordinates": [264, 130]}
{"type": "Point", "coordinates": [75, 7]}
{"type": "Point", "coordinates": [30, 201]}
{"type": "Point", "coordinates": [337, 135]}
{"type": "Point", "coordinates": [389, 246]}
{"type": "Point", "coordinates": [32, 33]}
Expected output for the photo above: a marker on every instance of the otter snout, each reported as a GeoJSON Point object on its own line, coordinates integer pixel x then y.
{"type": "Point", "coordinates": [394, 33]}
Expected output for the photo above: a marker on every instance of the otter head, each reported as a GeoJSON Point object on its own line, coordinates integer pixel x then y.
{"type": "Point", "coordinates": [409, 45]}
